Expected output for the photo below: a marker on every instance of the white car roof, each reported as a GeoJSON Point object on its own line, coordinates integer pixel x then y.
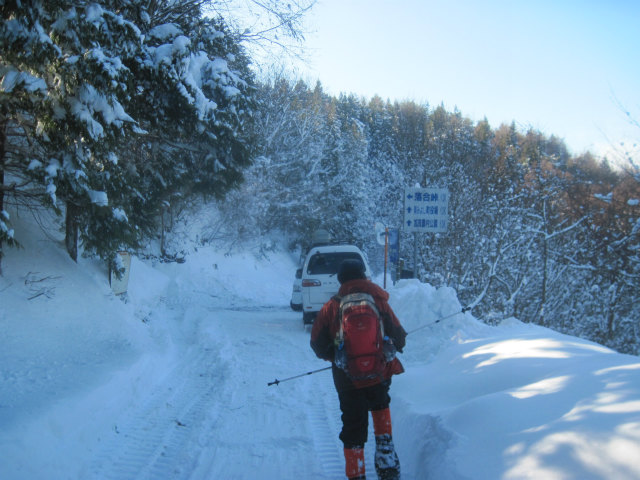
{"type": "Point", "coordinates": [335, 248]}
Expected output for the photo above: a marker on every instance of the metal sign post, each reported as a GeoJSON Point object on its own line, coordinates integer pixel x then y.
{"type": "Point", "coordinates": [390, 239]}
{"type": "Point", "coordinates": [381, 231]}
{"type": "Point", "coordinates": [415, 254]}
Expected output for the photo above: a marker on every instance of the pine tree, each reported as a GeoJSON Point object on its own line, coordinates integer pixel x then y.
{"type": "Point", "coordinates": [26, 53]}
{"type": "Point", "coordinates": [193, 102]}
{"type": "Point", "coordinates": [69, 85]}
{"type": "Point", "coordinates": [108, 115]}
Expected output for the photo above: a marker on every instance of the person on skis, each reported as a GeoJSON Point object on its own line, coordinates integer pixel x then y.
{"type": "Point", "coordinates": [359, 397]}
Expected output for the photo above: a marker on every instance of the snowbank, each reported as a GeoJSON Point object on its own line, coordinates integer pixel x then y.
{"type": "Point", "coordinates": [512, 402]}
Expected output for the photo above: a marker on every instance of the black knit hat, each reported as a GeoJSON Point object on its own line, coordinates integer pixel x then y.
{"type": "Point", "coordinates": [351, 270]}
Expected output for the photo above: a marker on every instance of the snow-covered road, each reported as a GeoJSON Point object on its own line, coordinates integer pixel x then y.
{"type": "Point", "coordinates": [213, 416]}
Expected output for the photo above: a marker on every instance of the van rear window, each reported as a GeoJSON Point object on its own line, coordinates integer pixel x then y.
{"type": "Point", "coordinates": [329, 263]}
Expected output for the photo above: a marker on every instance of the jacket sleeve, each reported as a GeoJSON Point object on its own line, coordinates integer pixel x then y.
{"type": "Point", "coordinates": [393, 328]}
{"type": "Point", "coordinates": [321, 341]}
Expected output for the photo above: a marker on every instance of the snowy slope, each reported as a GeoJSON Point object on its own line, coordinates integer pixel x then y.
{"type": "Point", "coordinates": [172, 383]}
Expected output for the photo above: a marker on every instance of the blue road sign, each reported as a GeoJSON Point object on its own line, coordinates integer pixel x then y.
{"type": "Point", "coordinates": [426, 210]}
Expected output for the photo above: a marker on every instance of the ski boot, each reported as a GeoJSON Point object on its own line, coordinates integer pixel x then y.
{"type": "Point", "coordinates": [386, 459]}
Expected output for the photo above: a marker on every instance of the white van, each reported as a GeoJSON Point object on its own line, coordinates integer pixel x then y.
{"type": "Point", "coordinates": [320, 276]}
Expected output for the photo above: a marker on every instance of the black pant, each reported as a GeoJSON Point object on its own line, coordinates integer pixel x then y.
{"type": "Point", "coordinates": [355, 405]}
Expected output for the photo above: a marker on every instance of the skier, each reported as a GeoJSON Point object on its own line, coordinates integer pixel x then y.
{"type": "Point", "coordinates": [358, 397]}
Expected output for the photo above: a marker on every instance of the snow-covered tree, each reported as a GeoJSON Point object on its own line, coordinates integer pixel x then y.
{"type": "Point", "coordinates": [284, 182]}
{"type": "Point", "coordinates": [111, 108]}
{"type": "Point", "coordinates": [193, 101]}
{"type": "Point", "coordinates": [387, 178]}
{"type": "Point", "coordinates": [26, 51]}
{"type": "Point", "coordinates": [64, 84]}
{"type": "Point", "coordinates": [270, 29]}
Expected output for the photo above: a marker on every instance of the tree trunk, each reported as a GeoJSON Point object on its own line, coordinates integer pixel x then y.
{"type": "Point", "coordinates": [543, 293]}
{"type": "Point", "coordinates": [545, 266]}
{"type": "Point", "coordinates": [162, 236]}
{"type": "Point", "coordinates": [3, 138]}
{"type": "Point", "coordinates": [611, 309]}
{"type": "Point", "coordinates": [71, 231]}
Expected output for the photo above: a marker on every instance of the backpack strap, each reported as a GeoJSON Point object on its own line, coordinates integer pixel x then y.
{"type": "Point", "coordinates": [340, 333]}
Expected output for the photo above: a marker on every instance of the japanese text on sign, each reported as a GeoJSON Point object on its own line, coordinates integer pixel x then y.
{"type": "Point", "coordinates": [426, 209]}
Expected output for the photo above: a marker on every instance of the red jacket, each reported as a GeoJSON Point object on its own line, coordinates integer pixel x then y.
{"type": "Point", "coordinates": [327, 325]}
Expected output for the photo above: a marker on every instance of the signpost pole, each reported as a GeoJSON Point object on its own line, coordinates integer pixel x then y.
{"type": "Point", "coordinates": [415, 254]}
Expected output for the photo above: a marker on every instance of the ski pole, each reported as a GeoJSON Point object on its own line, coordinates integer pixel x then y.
{"type": "Point", "coordinates": [464, 309]}
{"type": "Point", "coordinates": [276, 381]}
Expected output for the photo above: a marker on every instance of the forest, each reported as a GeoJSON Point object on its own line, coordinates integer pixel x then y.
{"type": "Point", "coordinates": [119, 116]}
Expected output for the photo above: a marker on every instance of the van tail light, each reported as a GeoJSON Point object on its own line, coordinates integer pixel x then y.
{"type": "Point", "coordinates": [311, 283]}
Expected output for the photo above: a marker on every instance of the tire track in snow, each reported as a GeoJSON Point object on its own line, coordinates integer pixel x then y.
{"type": "Point", "coordinates": [154, 440]}
{"type": "Point", "coordinates": [263, 432]}
{"type": "Point", "coordinates": [225, 425]}
{"type": "Point", "coordinates": [324, 419]}
{"type": "Point", "coordinates": [326, 424]}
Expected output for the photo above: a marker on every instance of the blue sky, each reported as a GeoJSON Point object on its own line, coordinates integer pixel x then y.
{"type": "Point", "coordinates": [557, 66]}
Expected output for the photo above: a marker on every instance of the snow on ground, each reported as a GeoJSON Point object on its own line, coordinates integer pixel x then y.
{"type": "Point", "coordinates": [172, 382]}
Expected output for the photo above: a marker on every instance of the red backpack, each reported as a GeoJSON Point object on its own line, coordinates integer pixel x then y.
{"type": "Point", "coordinates": [360, 339]}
